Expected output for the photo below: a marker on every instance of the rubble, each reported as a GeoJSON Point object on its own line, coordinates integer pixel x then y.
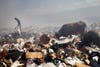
{"type": "Point", "coordinates": [59, 53]}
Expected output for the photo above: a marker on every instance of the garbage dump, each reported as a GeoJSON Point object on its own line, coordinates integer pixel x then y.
{"type": "Point", "coordinates": [66, 51]}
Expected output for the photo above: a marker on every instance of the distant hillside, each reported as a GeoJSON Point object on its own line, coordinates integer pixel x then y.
{"type": "Point", "coordinates": [92, 19]}
{"type": "Point", "coordinates": [6, 30]}
{"type": "Point", "coordinates": [48, 30]}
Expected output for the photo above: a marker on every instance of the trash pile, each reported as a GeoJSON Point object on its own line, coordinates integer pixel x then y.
{"type": "Point", "coordinates": [49, 52]}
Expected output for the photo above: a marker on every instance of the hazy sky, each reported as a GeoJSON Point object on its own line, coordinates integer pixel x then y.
{"type": "Point", "coordinates": [41, 13]}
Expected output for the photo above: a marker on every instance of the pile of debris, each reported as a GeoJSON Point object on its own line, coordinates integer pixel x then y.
{"type": "Point", "coordinates": [53, 52]}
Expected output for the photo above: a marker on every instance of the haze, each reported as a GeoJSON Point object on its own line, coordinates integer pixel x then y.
{"type": "Point", "coordinates": [43, 13]}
